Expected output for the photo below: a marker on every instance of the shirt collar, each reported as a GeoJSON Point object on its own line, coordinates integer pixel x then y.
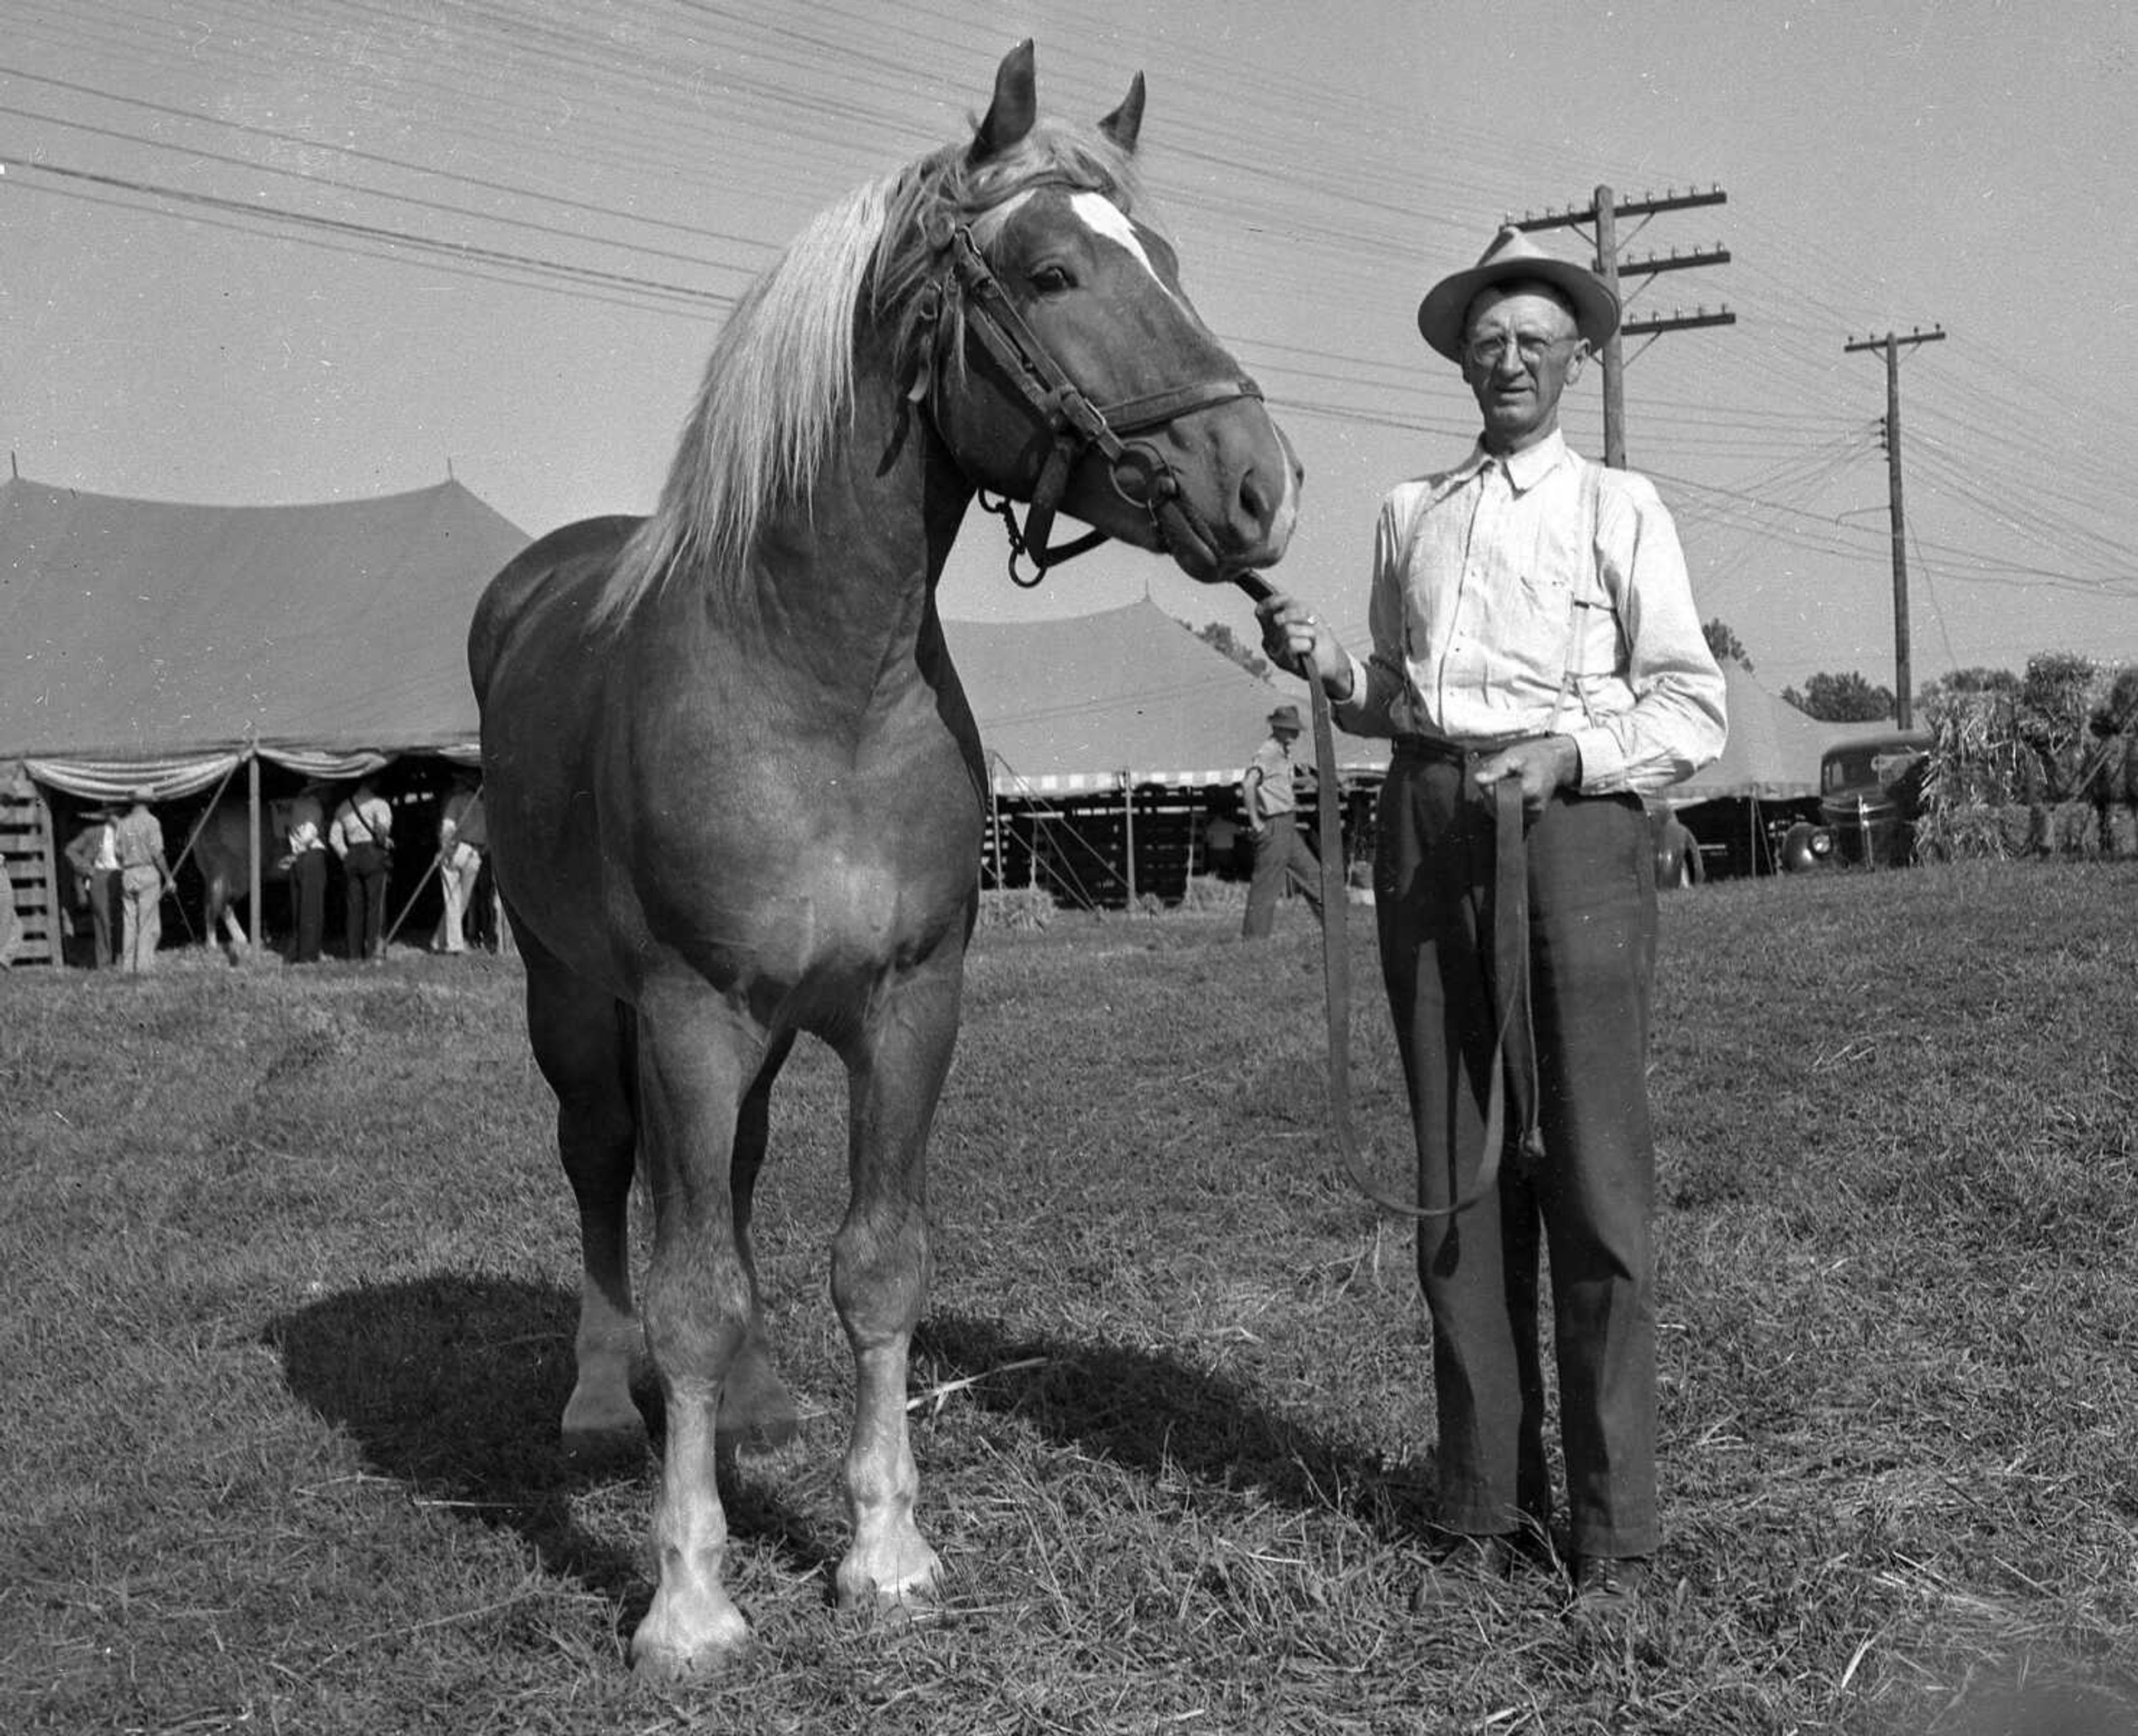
{"type": "Point", "coordinates": [1526, 468]}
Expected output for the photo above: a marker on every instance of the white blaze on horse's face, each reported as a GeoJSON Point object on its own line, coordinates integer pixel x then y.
{"type": "Point", "coordinates": [1103, 217]}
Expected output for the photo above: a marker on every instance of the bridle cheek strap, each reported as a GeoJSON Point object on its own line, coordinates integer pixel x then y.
{"type": "Point", "coordinates": [1075, 426]}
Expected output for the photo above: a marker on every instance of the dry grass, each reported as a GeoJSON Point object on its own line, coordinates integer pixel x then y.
{"type": "Point", "coordinates": [288, 1279]}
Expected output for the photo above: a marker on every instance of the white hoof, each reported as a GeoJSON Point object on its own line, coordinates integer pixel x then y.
{"type": "Point", "coordinates": [901, 1583]}
{"type": "Point", "coordinates": [662, 1651]}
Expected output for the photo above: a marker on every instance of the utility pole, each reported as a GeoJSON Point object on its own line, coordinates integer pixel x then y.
{"type": "Point", "coordinates": [1904, 701]}
{"type": "Point", "coordinates": [1603, 213]}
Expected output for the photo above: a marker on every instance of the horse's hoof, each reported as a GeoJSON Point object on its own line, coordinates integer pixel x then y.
{"type": "Point", "coordinates": [662, 1666]}
{"type": "Point", "coordinates": [899, 1589]}
{"type": "Point", "coordinates": [660, 1656]}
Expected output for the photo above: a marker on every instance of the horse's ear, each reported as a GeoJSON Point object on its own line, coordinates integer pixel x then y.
{"type": "Point", "coordinates": [1015, 107]}
{"type": "Point", "coordinates": [1126, 122]}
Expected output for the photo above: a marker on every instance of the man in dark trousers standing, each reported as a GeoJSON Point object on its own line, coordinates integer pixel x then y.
{"type": "Point", "coordinates": [1533, 626]}
{"type": "Point", "coordinates": [362, 836]}
{"type": "Point", "coordinates": [94, 855]}
{"type": "Point", "coordinates": [303, 828]}
{"type": "Point", "coordinates": [1270, 806]}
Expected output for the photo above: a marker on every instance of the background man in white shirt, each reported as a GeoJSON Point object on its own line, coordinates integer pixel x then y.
{"type": "Point", "coordinates": [1531, 622]}
{"type": "Point", "coordinates": [1269, 798]}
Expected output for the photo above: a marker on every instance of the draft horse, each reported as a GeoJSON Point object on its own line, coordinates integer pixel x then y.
{"type": "Point", "coordinates": [735, 791]}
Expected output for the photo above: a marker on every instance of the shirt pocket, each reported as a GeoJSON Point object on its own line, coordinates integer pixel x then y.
{"type": "Point", "coordinates": [1594, 637]}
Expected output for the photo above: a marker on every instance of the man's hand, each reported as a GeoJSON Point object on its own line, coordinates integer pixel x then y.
{"type": "Point", "coordinates": [1297, 642]}
{"type": "Point", "coordinates": [1542, 765]}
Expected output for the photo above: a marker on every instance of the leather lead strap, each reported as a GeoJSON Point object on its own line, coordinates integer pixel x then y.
{"type": "Point", "coordinates": [1514, 1045]}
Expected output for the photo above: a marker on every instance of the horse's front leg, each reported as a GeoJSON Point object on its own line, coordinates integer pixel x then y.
{"type": "Point", "coordinates": [757, 1412]}
{"type": "Point", "coordinates": [880, 1271]}
{"type": "Point", "coordinates": [697, 1059]}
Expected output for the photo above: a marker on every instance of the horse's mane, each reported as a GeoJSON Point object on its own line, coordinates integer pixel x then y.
{"type": "Point", "coordinates": [778, 388]}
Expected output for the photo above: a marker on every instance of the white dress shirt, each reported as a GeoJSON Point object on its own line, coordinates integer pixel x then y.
{"type": "Point", "coordinates": [1493, 618]}
{"type": "Point", "coordinates": [368, 821]}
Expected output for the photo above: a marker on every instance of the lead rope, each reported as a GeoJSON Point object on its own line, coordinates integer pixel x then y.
{"type": "Point", "coordinates": [1510, 974]}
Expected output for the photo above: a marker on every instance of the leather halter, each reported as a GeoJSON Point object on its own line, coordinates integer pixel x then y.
{"type": "Point", "coordinates": [1075, 426]}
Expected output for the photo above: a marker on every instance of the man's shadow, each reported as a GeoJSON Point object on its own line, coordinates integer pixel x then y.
{"type": "Point", "coordinates": [1148, 1409]}
{"type": "Point", "coordinates": [452, 1386]}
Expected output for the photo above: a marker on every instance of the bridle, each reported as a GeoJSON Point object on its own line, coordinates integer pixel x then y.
{"type": "Point", "coordinates": [1073, 424]}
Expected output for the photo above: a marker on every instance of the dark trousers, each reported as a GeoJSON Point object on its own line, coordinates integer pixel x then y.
{"type": "Point", "coordinates": [308, 895]}
{"type": "Point", "coordinates": [363, 900]}
{"type": "Point", "coordinates": [1280, 854]}
{"type": "Point", "coordinates": [1592, 936]}
{"type": "Point", "coordinates": [103, 884]}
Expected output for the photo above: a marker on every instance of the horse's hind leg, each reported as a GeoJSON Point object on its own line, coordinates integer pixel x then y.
{"type": "Point", "coordinates": [880, 1273]}
{"type": "Point", "coordinates": [756, 1410]}
{"type": "Point", "coordinates": [582, 1041]}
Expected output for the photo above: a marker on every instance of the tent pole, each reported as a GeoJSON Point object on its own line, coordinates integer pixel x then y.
{"type": "Point", "coordinates": [253, 842]}
{"type": "Point", "coordinates": [1128, 832]}
{"type": "Point", "coordinates": [994, 826]}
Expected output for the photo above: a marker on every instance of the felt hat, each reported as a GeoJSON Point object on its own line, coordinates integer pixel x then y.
{"type": "Point", "coordinates": [1285, 717]}
{"type": "Point", "coordinates": [1513, 256]}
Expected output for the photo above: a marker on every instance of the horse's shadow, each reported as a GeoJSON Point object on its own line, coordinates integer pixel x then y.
{"type": "Point", "coordinates": [452, 1386]}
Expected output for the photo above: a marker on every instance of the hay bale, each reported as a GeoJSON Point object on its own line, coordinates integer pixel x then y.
{"type": "Point", "coordinates": [1207, 892]}
{"type": "Point", "coordinates": [1017, 907]}
{"type": "Point", "coordinates": [2009, 770]}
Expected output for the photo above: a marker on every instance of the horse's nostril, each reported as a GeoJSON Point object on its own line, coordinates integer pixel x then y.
{"type": "Point", "coordinates": [1254, 501]}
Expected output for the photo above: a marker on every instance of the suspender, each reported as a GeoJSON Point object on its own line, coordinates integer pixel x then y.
{"type": "Point", "coordinates": [1590, 578]}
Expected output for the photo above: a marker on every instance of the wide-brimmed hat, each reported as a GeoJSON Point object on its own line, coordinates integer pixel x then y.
{"type": "Point", "coordinates": [1285, 717]}
{"type": "Point", "coordinates": [1511, 255]}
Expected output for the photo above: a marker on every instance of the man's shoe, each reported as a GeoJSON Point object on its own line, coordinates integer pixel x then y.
{"type": "Point", "coordinates": [1606, 1586]}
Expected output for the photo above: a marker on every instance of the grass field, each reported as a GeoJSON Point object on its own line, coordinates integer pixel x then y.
{"type": "Point", "coordinates": [286, 1282]}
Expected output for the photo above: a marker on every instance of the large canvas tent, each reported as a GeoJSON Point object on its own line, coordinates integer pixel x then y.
{"type": "Point", "coordinates": [1773, 752]}
{"type": "Point", "coordinates": [1128, 696]}
{"type": "Point", "coordinates": [167, 645]}
{"type": "Point", "coordinates": [155, 644]}
{"type": "Point", "coordinates": [162, 645]}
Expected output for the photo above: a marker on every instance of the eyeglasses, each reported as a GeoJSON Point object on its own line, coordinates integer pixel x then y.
{"type": "Point", "coordinates": [1530, 346]}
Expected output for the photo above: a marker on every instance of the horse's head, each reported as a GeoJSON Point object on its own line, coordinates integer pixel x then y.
{"type": "Point", "coordinates": [1064, 363]}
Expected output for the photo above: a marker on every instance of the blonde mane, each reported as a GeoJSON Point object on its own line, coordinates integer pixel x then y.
{"type": "Point", "coordinates": [779, 388]}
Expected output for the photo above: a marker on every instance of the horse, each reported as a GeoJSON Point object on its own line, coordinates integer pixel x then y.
{"type": "Point", "coordinates": [736, 793]}
{"type": "Point", "coordinates": [222, 854]}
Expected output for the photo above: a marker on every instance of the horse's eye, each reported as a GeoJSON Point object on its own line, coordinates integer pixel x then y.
{"type": "Point", "coordinates": [1052, 279]}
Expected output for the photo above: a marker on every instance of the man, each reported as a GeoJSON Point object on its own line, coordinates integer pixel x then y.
{"type": "Point", "coordinates": [93, 854]}
{"type": "Point", "coordinates": [460, 839]}
{"type": "Point", "coordinates": [1532, 623]}
{"type": "Point", "coordinates": [303, 828]}
{"type": "Point", "coordinates": [362, 839]}
{"type": "Point", "coordinates": [1270, 804]}
{"type": "Point", "coordinates": [144, 878]}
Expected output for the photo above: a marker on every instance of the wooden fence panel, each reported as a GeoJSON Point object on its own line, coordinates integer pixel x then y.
{"type": "Point", "coordinates": [32, 873]}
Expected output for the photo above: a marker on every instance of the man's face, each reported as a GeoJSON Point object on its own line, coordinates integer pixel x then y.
{"type": "Point", "coordinates": [1285, 737]}
{"type": "Point", "coordinates": [1519, 349]}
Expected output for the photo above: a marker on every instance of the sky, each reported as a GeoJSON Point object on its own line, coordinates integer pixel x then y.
{"type": "Point", "coordinates": [261, 252]}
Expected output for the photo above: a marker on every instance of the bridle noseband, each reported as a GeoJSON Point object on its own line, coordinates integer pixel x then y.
{"type": "Point", "coordinates": [1075, 426]}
